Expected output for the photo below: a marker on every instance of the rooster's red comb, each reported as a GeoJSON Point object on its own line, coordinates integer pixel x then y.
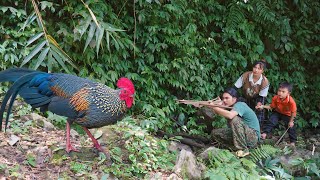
{"type": "Point", "coordinates": [126, 83]}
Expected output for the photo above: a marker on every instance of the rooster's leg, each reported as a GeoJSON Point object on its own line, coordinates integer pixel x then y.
{"type": "Point", "coordinates": [69, 147]}
{"type": "Point", "coordinates": [95, 142]}
{"type": "Point", "coordinates": [97, 145]}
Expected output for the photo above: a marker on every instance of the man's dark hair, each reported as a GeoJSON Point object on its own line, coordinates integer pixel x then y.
{"type": "Point", "coordinates": [286, 85]}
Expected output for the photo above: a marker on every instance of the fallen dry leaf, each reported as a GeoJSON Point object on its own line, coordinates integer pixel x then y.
{"type": "Point", "coordinates": [13, 140]}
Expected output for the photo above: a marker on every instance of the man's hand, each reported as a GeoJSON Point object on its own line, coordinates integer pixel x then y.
{"type": "Point", "coordinates": [259, 106]}
{"type": "Point", "coordinates": [291, 123]}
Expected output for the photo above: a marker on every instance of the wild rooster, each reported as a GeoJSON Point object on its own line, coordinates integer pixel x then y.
{"type": "Point", "coordinates": [82, 101]}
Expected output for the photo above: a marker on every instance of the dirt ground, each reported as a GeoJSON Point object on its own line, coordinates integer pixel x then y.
{"type": "Point", "coordinates": [38, 153]}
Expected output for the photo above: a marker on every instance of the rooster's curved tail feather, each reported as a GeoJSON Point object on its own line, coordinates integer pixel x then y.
{"type": "Point", "coordinates": [20, 77]}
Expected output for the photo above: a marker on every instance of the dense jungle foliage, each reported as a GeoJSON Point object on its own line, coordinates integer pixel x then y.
{"type": "Point", "coordinates": [170, 49]}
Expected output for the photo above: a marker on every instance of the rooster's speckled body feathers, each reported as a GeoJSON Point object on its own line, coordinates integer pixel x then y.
{"type": "Point", "coordinates": [87, 103]}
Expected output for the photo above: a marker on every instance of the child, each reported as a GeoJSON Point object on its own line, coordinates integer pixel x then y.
{"type": "Point", "coordinates": [285, 109]}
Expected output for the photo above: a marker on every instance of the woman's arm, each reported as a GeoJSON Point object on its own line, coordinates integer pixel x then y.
{"type": "Point", "coordinates": [225, 113]}
{"type": "Point", "coordinates": [264, 107]}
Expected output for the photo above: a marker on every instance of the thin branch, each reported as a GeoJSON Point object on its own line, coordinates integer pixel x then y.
{"type": "Point", "coordinates": [40, 19]}
{"type": "Point", "coordinates": [92, 14]}
{"type": "Point", "coordinates": [135, 28]}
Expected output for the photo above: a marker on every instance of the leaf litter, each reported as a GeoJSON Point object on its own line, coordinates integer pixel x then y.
{"type": "Point", "coordinates": [39, 153]}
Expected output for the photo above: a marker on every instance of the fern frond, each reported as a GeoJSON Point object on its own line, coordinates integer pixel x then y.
{"type": "Point", "coordinates": [225, 165]}
{"type": "Point", "coordinates": [236, 16]}
{"type": "Point", "coordinates": [263, 12]}
{"type": "Point", "coordinates": [262, 152]}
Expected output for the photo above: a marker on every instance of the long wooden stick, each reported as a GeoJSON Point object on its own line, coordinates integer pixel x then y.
{"type": "Point", "coordinates": [210, 103]}
{"type": "Point", "coordinates": [282, 136]}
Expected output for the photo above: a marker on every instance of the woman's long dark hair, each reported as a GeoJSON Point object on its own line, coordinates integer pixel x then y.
{"type": "Point", "coordinates": [262, 64]}
{"type": "Point", "coordinates": [233, 92]}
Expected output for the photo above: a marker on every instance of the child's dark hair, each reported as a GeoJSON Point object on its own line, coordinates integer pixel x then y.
{"type": "Point", "coordinates": [262, 64]}
{"type": "Point", "coordinates": [286, 85]}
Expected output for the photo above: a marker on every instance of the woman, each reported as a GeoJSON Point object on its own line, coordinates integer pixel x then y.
{"type": "Point", "coordinates": [255, 87]}
{"type": "Point", "coordinates": [243, 122]}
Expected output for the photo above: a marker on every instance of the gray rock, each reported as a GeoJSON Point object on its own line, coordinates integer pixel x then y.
{"type": "Point", "coordinates": [313, 140]}
{"type": "Point", "coordinates": [74, 133]}
{"type": "Point", "coordinates": [48, 126]}
{"type": "Point", "coordinates": [161, 176]}
{"type": "Point", "coordinates": [36, 117]}
{"type": "Point", "coordinates": [173, 177]}
{"type": "Point", "coordinates": [208, 116]}
{"type": "Point", "coordinates": [205, 154]}
{"type": "Point", "coordinates": [156, 176]}
{"type": "Point", "coordinates": [187, 166]}
{"type": "Point", "coordinates": [176, 146]}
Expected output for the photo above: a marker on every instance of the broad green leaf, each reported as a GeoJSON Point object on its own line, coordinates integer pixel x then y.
{"type": "Point", "coordinates": [287, 47]}
{"type": "Point", "coordinates": [85, 26]}
{"type": "Point", "coordinates": [113, 75]}
{"type": "Point", "coordinates": [116, 44]}
{"type": "Point", "coordinates": [34, 38]}
{"type": "Point", "coordinates": [315, 169]}
{"type": "Point", "coordinates": [296, 161]}
{"type": "Point", "coordinates": [29, 20]}
{"type": "Point", "coordinates": [51, 61]}
{"type": "Point", "coordinates": [260, 49]}
{"type": "Point", "coordinates": [41, 57]}
{"type": "Point", "coordinates": [90, 35]}
{"type": "Point", "coordinates": [59, 59]}
{"type": "Point", "coordinates": [4, 9]}
{"type": "Point", "coordinates": [99, 36]}
{"type": "Point", "coordinates": [33, 53]}
{"type": "Point", "coordinates": [244, 63]}
{"type": "Point", "coordinates": [161, 113]}
{"type": "Point", "coordinates": [108, 27]}
{"type": "Point", "coordinates": [108, 40]}
{"type": "Point", "coordinates": [63, 54]}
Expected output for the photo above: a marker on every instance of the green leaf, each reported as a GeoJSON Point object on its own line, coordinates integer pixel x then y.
{"type": "Point", "coordinates": [296, 161]}
{"type": "Point", "coordinates": [108, 40]}
{"type": "Point", "coordinates": [90, 35]}
{"type": "Point", "coordinates": [260, 49]}
{"type": "Point", "coordinates": [287, 47]}
{"type": "Point", "coordinates": [99, 36]}
{"type": "Point", "coordinates": [85, 26]}
{"type": "Point", "coordinates": [33, 53]}
{"type": "Point", "coordinates": [113, 75]}
{"type": "Point", "coordinates": [161, 113]}
{"type": "Point", "coordinates": [314, 168]}
{"type": "Point", "coordinates": [244, 63]}
{"type": "Point", "coordinates": [108, 27]}
{"type": "Point", "coordinates": [132, 157]}
{"type": "Point", "coordinates": [59, 59]}
{"type": "Point", "coordinates": [41, 57]}
{"type": "Point", "coordinates": [34, 38]}
{"type": "Point", "coordinates": [63, 54]}
{"type": "Point", "coordinates": [116, 44]}
{"type": "Point", "coordinates": [51, 61]}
